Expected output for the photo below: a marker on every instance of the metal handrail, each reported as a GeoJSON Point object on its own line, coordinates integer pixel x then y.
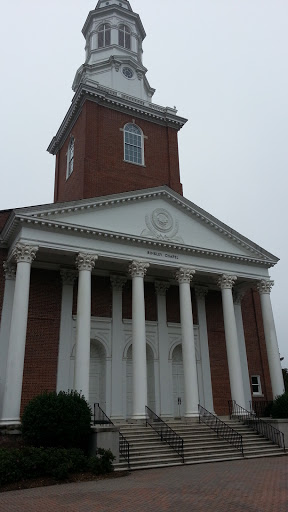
{"type": "Point", "coordinates": [165, 432]}
{"type": "Point", "coordinates": [101, 418]}
{"type": "Point", "coordinates": [264, 428]}
{"type": "Point", "coordinates": [221, 428]}
{"type": "Point", "coordinates": [261, 408]}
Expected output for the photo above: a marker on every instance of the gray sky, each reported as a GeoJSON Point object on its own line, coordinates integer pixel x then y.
{"type": "Point", "coordinates": [223, 63]}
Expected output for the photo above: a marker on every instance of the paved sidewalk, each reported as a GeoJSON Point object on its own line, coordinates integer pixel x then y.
{"type": "Point", "coordinates": [257, 485]}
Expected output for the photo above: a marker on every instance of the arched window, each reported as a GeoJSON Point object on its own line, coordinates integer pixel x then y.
{"type": "Point", "coordinates": [125, 37]}
{"type": "Point", "coordinates": [70, 157]}
{"type": "Point", "coordinates": [104, 35]}
{"type": "Point", "coordinates": [133, 144]}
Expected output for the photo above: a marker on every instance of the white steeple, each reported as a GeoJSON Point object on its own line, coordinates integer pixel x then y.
{"type": "Point", "coordinates": [114, 35]}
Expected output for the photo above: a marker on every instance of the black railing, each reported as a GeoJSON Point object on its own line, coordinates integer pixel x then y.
{"type": "Point", "coordinates": [222, 429]}
{"type": "Point", "coordinates": [100, 418]}
{"type": "Point", "coordinates": [261, 408]}
{"type": "Point", "coordinates": [124, 448]}
{"type": "Point", "coordinates": [165, 432]}
{"type": "Point", "coordinates": [261, 427]}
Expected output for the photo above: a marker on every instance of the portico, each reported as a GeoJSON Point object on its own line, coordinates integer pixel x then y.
{"type": "Point", "coordinates": [128, 385]}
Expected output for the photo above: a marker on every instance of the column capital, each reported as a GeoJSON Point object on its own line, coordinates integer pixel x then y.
{"type": "Point", "coordinates": [9, 271]}
{"type": "Point", "coordinates": [68, 276]}
{"type": "Point", "coordinates": [161, 287]}
{"type": "Point", "coordinates": [24, 253]}
{"type": "Point", "coordinates": [138, 268]}
{"type": "Point", "coordinates": [184, 275]}
{"type": "Point", "coordinates": [118, 282]}
{"type": "Point", "coordinates": [201, 292]}
{"type": "Point", "coordinates": [85, 261]}
{"type": "Point", "coordinates": [226, 281]}
{"type": "Point", "coordinates": [265, 286]}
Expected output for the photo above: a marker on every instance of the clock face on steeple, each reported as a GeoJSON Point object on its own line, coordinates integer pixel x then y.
{"type": "Point", "coordinates": [128, 72]}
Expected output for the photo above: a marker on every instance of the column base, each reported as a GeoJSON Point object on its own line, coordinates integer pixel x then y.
{"type": "Point", "coordinates": [191, 416]}
{"type": "Point", "coordinates": [138, 417]}
{"type": "Point", "coordinates": [7, 422]}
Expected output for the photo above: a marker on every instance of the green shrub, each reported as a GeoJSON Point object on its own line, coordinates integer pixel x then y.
{"type": "Point", "coordinates": [280, 406]}
{"type": "Point", "coordinates": [31, 462]}
{"type": "Point", "coordinates": [102, 462]}
{"type": "Point", "coordinates": [58, 420]}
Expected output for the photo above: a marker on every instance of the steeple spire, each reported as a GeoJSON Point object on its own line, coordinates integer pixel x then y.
{"type": "Point", "coordinates": [114, 36]}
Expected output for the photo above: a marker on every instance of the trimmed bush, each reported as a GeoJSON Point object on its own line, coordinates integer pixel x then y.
{"type": "Point", "coordinates": [57, 420]}
{"type": "Point", "coordinates": [30, 462]}
{"type": "Point", "coordinates": [280, 406]}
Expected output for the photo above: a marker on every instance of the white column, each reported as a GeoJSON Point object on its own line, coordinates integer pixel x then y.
{"type": "Point", "coordinates": [161, 288]}
{"type": "Point", "coordinates": [85, 263]}
{"type": "Point", "coordinates": [226, 282]}
{"type": "Point", "coordinates": [238, 295]}
{"type": "Point", "coordinates": [264, 287]}
{"type": "Point", "coordinates": [10, 276]}
{"type": "Point", "coordinates": [138, 270]}
{"type": "Point", "coordinates": [117, 283]}
{"type": "Point", "coordinates": [68, 278]}
{"type": "Point", "coordinates": [24, 255]}
{"type": "Point", "coordinates": [201, 293]}
{"type": "Point", "coordinates": [184, 277]}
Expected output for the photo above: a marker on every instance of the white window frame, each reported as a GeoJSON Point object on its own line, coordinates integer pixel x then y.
{"type": "Point", "coordinates": [142, 164]}
{"type": "Point", "coordinates": [259, 392]}
{"type": "Point", "coordinates": [106, 28]}
{"type": "Point", "coordinates": [126, 31]}
{"type": "Point", "coordinates": [70, 157]}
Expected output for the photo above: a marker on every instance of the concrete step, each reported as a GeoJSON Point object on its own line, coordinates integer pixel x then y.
{"type": "Point", "coordinates": [201, 444]}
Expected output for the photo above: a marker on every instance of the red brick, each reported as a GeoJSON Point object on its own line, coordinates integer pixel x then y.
{"type": "Point", "coordinates": [99, 167]}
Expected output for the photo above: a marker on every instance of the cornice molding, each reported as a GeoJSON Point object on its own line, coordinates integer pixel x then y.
{"type": "Point", "coordinates": [117, 101]}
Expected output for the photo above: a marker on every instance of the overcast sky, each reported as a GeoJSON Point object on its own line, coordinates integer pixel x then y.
{"type": "Point", "coordinates": [223, 63]}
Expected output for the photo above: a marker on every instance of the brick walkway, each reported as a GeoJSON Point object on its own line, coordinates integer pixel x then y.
{"type": "Point", "coordinates": [258, 485]}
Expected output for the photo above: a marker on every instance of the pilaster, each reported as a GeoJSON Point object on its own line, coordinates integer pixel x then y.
{"type": "Point", "coordinates": [201, 292]}
{"type": "Point", "coordinates": [161, 288]}
{"type": "Point", "coordinates": [66, 328]}
{"type": "Point", "coordinates": [117, 283]}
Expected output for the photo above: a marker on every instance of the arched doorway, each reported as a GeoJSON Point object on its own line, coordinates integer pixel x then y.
{"type": "Point", "coordinates": [97, 375]}
{"type": "Point", "coordinates": [150, 380]}
{"type": "Point", "coordinates": [178, 382]}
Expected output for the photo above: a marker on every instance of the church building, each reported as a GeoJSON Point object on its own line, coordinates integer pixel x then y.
{"type": "Point", "coordinates": [121, 288]}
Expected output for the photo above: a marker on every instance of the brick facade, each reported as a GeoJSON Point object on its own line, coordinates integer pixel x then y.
{"type": "Point", "coordinates": [99, 167]}
{"type": "Point", "coordinates": [40, 368]}
{"type": "Point", "coordinates": [41, 353]}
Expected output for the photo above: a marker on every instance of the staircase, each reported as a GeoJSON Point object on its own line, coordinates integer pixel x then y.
{"type": "Point", "coordinates": [201, 444]}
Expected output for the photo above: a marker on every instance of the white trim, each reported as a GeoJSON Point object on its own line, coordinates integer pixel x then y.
{"type": "Point", "coordinates": [256, 393]}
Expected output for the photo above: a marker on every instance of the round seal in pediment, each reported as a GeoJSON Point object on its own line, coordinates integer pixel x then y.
{"type": "Point", "coordinates": [162, 220]}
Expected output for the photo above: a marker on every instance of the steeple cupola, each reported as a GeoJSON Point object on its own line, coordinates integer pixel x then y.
{"type": "Point", "coordinates": [114, 36]}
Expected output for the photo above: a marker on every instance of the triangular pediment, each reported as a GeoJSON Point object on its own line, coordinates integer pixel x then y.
{"type": "Point", "coordinates": [155, 216]}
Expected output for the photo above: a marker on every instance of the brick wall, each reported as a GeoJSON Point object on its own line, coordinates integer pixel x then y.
{"type": "Point", "coordinates": [217, 351]}
{"type": "Point", "coordinates": [41, 354]}
{"type": "Point", "coordinates": [255, 341]}
{"type": "Point", "coordinates": [101, 297]}
{"type": "Point", "coordinates": [99, 167]}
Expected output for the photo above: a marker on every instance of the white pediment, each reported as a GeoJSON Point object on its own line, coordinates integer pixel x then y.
{"type": "Point", "coordinates": [160, 217]}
